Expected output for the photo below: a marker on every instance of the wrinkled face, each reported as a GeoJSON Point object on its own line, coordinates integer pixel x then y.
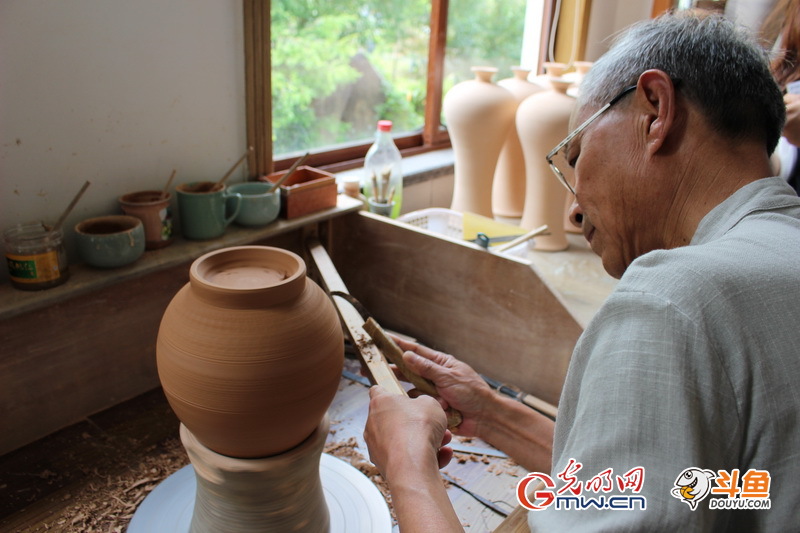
{"type": "Point", "coordinates": [611, 196]}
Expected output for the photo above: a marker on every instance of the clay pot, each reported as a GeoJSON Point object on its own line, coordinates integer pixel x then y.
{"type": "Point", "coordinates": [508, 188]}
{"type": "Point", "coordinates": [250, 351]}
{"type": "Point", "coordinates": [479, 115]}
{"type": "Point", "coordinates": [543, 122]}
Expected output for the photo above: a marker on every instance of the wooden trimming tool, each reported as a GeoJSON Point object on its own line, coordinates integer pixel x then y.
{"type": "Point", "coordinates": [394, 354]}
{"type": "Point", "coordinates": [371, 353]}
{"type": "Point", "coordinates": [378, 368]}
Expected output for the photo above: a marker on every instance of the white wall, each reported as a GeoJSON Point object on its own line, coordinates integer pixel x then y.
{"type": "Point", "coordinates": [116, 92]}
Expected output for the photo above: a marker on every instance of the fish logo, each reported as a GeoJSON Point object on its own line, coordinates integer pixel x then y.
{"type": "Point", "coordinates": [692, 485]}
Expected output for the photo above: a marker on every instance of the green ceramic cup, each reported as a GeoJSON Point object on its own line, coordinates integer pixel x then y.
{"type": "Point", "coordinates": [259, 206]}
{"type": "Point", "coordinates": [110, 241]}
{"type": "Point", "coordinates": [204, 210]}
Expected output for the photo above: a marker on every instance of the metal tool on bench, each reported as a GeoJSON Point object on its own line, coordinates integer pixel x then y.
{"type": "Point", "coordinates": [485, 241]}
{"type": "Point", "coordinates": [488, 503]}
{"type": "Point", "coordinates": [531, 401]}
{"type": "Point", "coordinates": [511, 241]}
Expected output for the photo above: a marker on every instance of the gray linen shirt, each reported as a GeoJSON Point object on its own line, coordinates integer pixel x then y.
{"type": "Point", "coordinates": [693, 361]}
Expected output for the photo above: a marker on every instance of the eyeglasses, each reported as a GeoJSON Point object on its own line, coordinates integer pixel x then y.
{"type": "Point", "coordinates": [569, 183]}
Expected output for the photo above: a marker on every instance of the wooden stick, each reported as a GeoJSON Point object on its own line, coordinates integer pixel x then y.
{"type": "Point", "coordinates": [289, 172]}
{"type": "Point", "coordinates": [522, 238]}
{"type": "Point", "coordinates": [376, 195]}
{"type": "Point", "coordinates": [372, 356]}
{"type": "Point", "coordinates": [385, 177]}
{"type": "Point", "coordinates": [70, 207]}
{"type": "Point", "coordinates": [394, 354]}
{"type": "Point", "coordinates": [378, 368]}
{"type": "Point", "coordinates": [169, 182]}
{"type": "Point", "coordinates": [234, 167]}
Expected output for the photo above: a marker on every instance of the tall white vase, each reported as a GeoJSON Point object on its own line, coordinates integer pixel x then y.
{"type": "Point", "coordinates": [543, 122]}
{"type": "Point", "coordinates": [508, 189]}
{"type": "Point", "coordinates": [479, 114]}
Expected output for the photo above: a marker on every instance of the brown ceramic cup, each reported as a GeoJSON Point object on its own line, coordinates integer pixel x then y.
{"type": "Point", "coordinates": [152, 208]}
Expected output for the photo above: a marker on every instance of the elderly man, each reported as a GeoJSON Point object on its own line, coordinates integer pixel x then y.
{"type": "Point", "coordinates": [682, 397]}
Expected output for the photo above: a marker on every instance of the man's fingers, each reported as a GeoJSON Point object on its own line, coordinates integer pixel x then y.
{"type": "Point", "coordinates": [425, 367]}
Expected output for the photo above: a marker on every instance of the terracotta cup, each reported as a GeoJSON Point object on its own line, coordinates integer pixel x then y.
{"type": "Point", "coordinates": [152, 208]}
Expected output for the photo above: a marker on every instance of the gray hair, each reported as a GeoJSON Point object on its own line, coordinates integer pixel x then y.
{"type": "Point", "coordinates": [722, 71]}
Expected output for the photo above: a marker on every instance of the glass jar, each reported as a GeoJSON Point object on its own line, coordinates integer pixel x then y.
{"type": "Point", "coordinates": [35, 256]}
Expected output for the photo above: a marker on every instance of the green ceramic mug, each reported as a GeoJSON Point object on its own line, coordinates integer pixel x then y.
{"type": "Point", "coordinates": [259, 206]}
{"type": "Point", "coordinates": [204, 210]}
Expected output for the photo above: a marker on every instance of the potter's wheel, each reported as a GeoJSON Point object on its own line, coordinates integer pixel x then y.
{"type": "Point", "coordinates": [355, 504]}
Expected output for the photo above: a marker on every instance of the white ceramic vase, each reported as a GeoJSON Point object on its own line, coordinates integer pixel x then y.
{"type": "Point", "coordinates": [479, 115]}
{"type": "Point", "coordinates": [543, 122]}
{"type": "Point", "coordinates": [508, 188]}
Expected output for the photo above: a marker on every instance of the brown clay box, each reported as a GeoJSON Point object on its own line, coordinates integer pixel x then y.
{"type": "Point", "coordinates": [308, 190]}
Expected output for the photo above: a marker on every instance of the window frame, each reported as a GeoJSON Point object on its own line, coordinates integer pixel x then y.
{"type": "Point", "coordinates": [258, 95]}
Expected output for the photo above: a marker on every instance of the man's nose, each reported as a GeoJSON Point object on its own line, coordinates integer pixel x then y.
{"type": "Point", "coordinates": [576, 213]}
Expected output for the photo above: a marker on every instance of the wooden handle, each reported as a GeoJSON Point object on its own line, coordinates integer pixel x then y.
{"type": "Point", "coordinates": [234, 167]}
{"type": "Point", "coordinates": [394, 354]}
{"type": "Point", "coordinates": [539, 405]}
{"type": "Point", "coordinates": [522, 238]}
{"type": "Point", "coordinates": [289, 172]}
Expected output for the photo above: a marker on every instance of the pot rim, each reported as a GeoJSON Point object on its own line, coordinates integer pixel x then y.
{"type": "Point", "coordinates": [130, 223]}
{"type": "Point", "coordinates": [129, 199]}
{"type": "Point", "coordinates": [248, 297]}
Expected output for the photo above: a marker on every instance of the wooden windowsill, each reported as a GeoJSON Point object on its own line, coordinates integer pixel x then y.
{"type": "Point", "coordinates": [84, 279]}
{"type": "Point", "coordinates": [417, 168]}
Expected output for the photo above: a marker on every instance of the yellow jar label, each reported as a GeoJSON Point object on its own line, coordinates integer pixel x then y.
{"type": "Point", "coordinates": [34, 268]}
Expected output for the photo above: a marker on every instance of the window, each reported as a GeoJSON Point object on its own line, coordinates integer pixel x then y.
{"type": "Point", "coordinates": [338, 66]}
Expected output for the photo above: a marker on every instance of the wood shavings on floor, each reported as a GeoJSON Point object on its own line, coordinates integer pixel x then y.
{"type": "Point", "coordinates": [108, 500]}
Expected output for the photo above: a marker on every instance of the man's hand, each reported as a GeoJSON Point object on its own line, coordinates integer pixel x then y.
{"type": "Point", "coordinates": [407, 440]}
{"type": "Point", "coordinates": [458, 385]}
{"type": "Point", "coordinates": [402, 432]}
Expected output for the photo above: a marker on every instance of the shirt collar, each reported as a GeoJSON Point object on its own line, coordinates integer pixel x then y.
{"type": "Point", "coordinates": [760, 195]}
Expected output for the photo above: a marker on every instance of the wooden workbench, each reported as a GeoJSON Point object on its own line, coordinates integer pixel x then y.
{"type": "Point", "coordinates": [98, 470]}
{"type": "Point", "coordinates": [89, 344]}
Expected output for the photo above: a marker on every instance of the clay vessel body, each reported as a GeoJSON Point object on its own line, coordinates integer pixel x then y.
{"type": "Point", "coordinates": [250, 351]}
{"type": "Point", "coordinates": [479, 115]}
{"type": "Point", "coordinates": [542, 123]}
{"type": "Point", "coordinates": [508, 188]}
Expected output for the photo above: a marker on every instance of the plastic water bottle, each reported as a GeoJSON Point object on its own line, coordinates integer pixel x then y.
{"type": "Point", "coordinates": [382, 182]}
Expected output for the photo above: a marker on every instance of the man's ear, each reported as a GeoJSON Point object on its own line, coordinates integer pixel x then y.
{"type": "Point", "coordinates": [656, 97]}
